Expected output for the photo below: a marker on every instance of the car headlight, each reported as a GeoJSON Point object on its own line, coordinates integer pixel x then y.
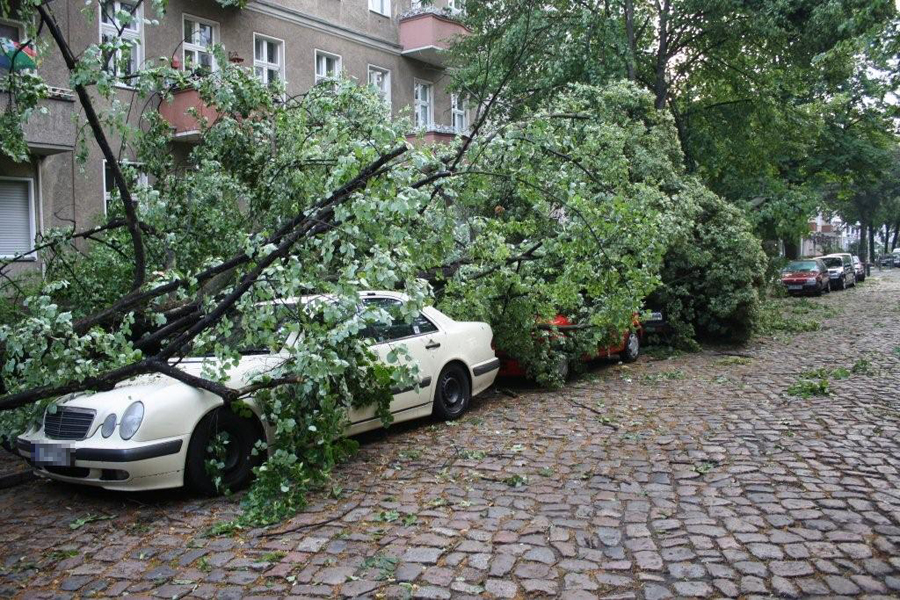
{"type": "Point", "coordinates": [109, 425]}
{"type": "Point", "coordinates": [131, 420]}
{"type": "Point", "coordinates": [811, 280]}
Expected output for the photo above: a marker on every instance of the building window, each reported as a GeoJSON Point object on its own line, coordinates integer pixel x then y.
{"type": "Point", "coordinates": [380, 79]}
{"type": "Point", "coordinates": [9, 31]}
{"type": "Point", "coordinates": [382, 7]}
{"type": "Point", "coordinates": [199, 38]}
{"type": "Point", "coordinates": [268, 59]}
{"type": "Point", "coordinates": [17, 228]}
{"type": "Point", "coordinates": [121, 20]}
{"type": "Point", "coordinates": [456, 6]}
{"type": "Point", "coordinates": [109, 184]}
{"type": "Point", "coordinates": [459, 116]}
{"type": "Point", "coordinates": [424, 104]}
{"type": "Point", "coordinates": [328, 66]}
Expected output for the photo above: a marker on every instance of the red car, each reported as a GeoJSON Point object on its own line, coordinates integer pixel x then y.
{"type": "Point", "coordinates": [628, 349]}
{"type": "Point", "coordinates": [808, 275]}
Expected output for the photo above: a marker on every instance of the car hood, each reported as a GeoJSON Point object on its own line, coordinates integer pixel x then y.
{"type": "Point", "coordinates": [798, 274]}
{"type": "Point", "coordinates": [145, 387]}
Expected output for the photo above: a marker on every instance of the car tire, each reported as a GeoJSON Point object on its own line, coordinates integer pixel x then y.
{"type": "Point", "coordinates": [841, 285]}
{"type": "Point", "coordinates": [453, 392]}
{"type": "Point", "coordinates": [239, 460]}
{"type": "Point", "coordinates": [632, 349]}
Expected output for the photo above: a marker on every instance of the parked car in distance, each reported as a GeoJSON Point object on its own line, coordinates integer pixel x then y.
{"type": "Point", "coordinates": [840, 270]}
{"type": "Point", "coordinates": [806, 276]}
{"type": "Point", "coordinates": [860, 269]}
{"type": "Point", "coordinates": [886, 261]}
{"type": "Point", "coordinates": [153, 432]}
{"type": "Point", "coordinates": [628, 349]}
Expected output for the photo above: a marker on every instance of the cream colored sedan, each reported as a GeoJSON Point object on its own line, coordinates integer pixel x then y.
{"type": "Point", "coordinates": [153, 432]}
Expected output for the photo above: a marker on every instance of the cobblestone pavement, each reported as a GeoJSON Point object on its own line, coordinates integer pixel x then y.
{"type": "Point", "coordinates": [695, 476]}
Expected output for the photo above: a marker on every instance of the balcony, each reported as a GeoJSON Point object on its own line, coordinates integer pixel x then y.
{"type": "Point", "coordinates": [184, 113]}
{"type": "Point", "coordinates": [425, 33]}
{"type": "Point", "coordinates": [435, 134]}
{"type": "Point", "coordinates": [52, 132]}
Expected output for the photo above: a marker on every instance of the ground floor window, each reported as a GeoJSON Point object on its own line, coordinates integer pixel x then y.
{"type": "Point", "coordinates": [17, 222]}
{"type": "Point", "coordinates": [109, 182]}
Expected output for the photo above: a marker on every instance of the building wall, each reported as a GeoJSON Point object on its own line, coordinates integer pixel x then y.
{"type": "Point", "coordinates": [72, 191]}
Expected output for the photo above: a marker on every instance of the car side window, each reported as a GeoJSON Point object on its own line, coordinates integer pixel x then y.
{"type": "Point", "coordinates": [398, 328]}
{"type": "Point", "coordinates": [422, 325]}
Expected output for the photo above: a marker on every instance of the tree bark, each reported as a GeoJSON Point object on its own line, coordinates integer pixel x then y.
{"type": "Point", "coordinates": [660, 85]}
{"type": "Point", "coordinates": [896, 233]}
{"type": "Point", "coordinates": [632, 43]}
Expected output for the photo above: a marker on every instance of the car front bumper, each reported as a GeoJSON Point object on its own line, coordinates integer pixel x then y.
{"type": "Point", "coordinates": [120, 465]}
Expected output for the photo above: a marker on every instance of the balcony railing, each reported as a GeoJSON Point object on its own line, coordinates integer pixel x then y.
{"type": "Point", "coordinates": [434, 134]}
{"type": "Point", "coordinates": [183, 113]}
{"type": "Point", "coordinates": [426, 33]}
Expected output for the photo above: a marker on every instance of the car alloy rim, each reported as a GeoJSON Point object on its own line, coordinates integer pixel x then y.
{"type": "Point", "coordinates": [633, 344]}
{"type": "Point", "coordinates": [451, 391]}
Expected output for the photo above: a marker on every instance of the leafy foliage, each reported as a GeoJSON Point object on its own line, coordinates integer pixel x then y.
{"type": "Point", "coordinates": [713, 271]}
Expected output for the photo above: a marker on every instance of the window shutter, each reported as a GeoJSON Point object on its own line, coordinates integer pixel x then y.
{"type": "Point", "coordinates": [15, 218]}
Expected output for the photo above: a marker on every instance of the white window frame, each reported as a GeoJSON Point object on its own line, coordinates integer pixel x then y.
{"type": "Point", "coordinates": [416, 103]}
{"type": "Point", "coordinates": [339, 65]}
{"type": "Point", "coordinates": [381, 7]}
{"type": "Point", "coordinates": [386, 77]}
{"type": "Point", "coordinates": [143, 179]}
{"type": "Point", "coordinates": [194, 47]}
{"type": "Point", "coordinates": [458, 109]}
{"type": "Point", "coordinates": [137, 49]}
{"type": "Point", "coordinates": [282, 67]}
{"type": "Point", "coordinates": [31, 255]}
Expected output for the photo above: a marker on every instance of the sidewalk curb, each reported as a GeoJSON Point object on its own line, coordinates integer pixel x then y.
{"type": "Point", "coordinates": [14, 479]}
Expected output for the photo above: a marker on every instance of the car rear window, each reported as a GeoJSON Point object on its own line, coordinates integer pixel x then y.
{"type": "Point", "coordinates": [833, 261]}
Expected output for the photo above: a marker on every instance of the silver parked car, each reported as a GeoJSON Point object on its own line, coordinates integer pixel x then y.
{"type": "Point", "coordinates": [860, 269]}
{"type": "Point", "coordinates": [840, 270]}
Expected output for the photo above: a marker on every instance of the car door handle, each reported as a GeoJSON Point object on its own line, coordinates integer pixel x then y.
{"type": "Point", "coordinates": [432, 345]}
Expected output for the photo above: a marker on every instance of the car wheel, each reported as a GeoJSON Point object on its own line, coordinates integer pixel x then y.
{"type": "Point", "coordinates": [841, 284]}
{"type": "Point", "coordinates": [241, 435]}
{"type": "Point", "coordinates": [632, 348]}
{"type": "Point", "coordinates": [451, 398]}
{"type": "Point", "coordinates": [819, 291]}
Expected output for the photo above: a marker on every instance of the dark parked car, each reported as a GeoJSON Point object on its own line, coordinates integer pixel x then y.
{"type": "Point", "coordinates": [840, 269]}
{"type": "Point", "coordinates": [806, 276]}
{"type": "Point", "coordinates": [886, 261]}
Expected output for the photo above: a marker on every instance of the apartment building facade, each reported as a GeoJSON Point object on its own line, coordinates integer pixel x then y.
{"type": "Point", "coordinates": [395, 45]}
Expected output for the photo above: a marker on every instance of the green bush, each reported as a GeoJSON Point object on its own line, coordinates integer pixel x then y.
{"type": "Point", "coordinates": [713, 271]}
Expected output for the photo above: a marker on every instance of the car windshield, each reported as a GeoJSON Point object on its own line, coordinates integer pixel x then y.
{"type": "Point", "coordinates": [801, 265]}
{"type": "Point", "coordinates": [833, 261]}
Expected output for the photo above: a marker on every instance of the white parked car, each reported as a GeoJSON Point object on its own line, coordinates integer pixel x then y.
{"type": "Point", "coordinates": [153, 432]}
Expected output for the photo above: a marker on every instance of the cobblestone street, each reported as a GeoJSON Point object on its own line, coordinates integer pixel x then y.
{"type": "Point", "coordinates": [692, 476]}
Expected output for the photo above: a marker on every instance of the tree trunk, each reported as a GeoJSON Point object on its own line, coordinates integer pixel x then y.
{"type": "Point", "coordinates": [887, 237]}
{"type": "Point", "coordinates": [632, 43]}
{"type": "Point", "coordinates": [896, 232]}
{"type": "Point", "coordinates": [791, 249]}
{"type": "Point", "coordinates": [871, 249]}
{"type": "Point", "coordinates": [660, 85]}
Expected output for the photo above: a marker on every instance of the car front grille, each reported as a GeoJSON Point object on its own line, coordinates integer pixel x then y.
{"type": "Point", "coordinates": [68, 423]}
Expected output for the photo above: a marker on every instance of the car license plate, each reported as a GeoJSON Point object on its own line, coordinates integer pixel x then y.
{"type": "Point", "coordinates": [656, 316]}
{"type": "Point", "coordinates": [795, 287]}
{"type": "Point", "coordinates": [52, 454]}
